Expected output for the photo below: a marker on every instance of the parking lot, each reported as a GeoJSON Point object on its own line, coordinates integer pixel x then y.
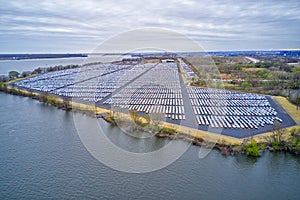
{"type": "Point", "coordinates": [159, 88]}
{"type": "Point", "coordinates": [157, 91]}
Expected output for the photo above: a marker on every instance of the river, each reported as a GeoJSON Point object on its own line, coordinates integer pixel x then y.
{"type": "Point", "coordinates": [31, 64]}
{"type": "Point", "coordinates": [42, 157]}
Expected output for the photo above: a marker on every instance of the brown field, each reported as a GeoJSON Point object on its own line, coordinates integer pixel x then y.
{"type": "Point", "coordinates": [151, 60]}
{"type": "Point", "coordinates": [289, 108]}
{"type": "Point", "coordinates": [251, 69]}
{"type": "Point", "coordinates": [226, 76]}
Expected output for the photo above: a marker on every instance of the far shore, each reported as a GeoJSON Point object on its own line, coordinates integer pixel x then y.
{"type": "Point", "coordinates": [38, 56]}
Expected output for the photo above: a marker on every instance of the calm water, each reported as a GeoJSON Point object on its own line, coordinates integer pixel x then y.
{"type": "Point", "coordinates": [41, 156]}
{"type": "Point", "coordinates": [31, 64]}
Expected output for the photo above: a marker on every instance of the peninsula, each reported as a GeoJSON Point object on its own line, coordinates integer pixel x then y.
{"type": "Point", "coordinates": [168, 91]}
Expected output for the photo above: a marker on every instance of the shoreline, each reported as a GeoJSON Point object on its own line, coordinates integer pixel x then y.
{"type": "Point", "coordinates": [227, 145]}
{"type": "Point", "coordinates": [40, 56]}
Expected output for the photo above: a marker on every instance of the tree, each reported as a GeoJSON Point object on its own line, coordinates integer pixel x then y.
{"type": "Point", "coordinates": [26, 73]}
{"type": "Point", "coordinates": [66, 104]}
{"type": "Point", "coordinates": [139, 120]}
{"type": "Point", "coordinates": [295, 77]}
{"type": "Point", "coordinates": [246, 85]}
{"type": "Point", "coordinates": [156, 120]}
{"type": "Point", "coordinates": [134, 115]}
{"type": "Point", "coordinates": [13, 74]}
{"type": "Point", "coordinates": [263, 73]}
{"type": "Point", "coordinates": [278, 132]}
{"type": "Point", "coordinates": [202, 82]}
{"type": "Point", "coordinates": [39, 70]}
{"type": "Point", "coordinates": [298, 101]}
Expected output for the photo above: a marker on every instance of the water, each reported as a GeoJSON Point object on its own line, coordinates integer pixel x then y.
{"type": "Point", "coordinates": [31, 64]}
{"type": "Point", "coordinates": [42, 157]}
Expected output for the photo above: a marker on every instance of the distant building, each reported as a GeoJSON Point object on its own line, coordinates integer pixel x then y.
{"type": "Point", "coordinates": [167, 60]}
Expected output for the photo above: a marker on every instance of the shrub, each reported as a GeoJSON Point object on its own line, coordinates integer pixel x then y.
{"type": "Point", "coordinates": [276, 145]}
{"type": "Point", "coordinates": [168, 130]}
{"type": "Point", "coordinates": [296, 145]}
{"type": "Point", "coordinates": [252, 149]}
{"type": "Point", "coordinates": [1, 85]}
{"type": "Point", "coordinates": [262, 146]}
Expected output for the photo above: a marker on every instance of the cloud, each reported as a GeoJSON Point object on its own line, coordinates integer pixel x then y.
{"type": "Point", "coordinates": [80, 25]}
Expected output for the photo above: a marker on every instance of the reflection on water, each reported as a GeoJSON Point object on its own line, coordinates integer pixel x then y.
{"type": "Point", "coordinates": [42, 157]}
{"type": "Point", "coordinates": [244, 162]}
{"type": "Point", "coordinates": [130, 143]}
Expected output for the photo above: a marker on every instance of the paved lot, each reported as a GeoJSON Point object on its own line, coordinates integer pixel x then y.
{"type": "Point", "coordinates": [96, 85]}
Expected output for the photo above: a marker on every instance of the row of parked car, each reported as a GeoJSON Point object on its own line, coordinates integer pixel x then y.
{"type": "Point", "coordinates": [226, 109]}
{"type": "Point", "coordinates": [236, 122]}
{"type": "Point", "coordinates": [157, 91]}
{"type": "Point", "coordinates": [232, 103]}
{"type": "Point", "coordinates": [239, 111]}
{"type": "Point", "coordinates": [189, 73]}
{"type": "Point", "coordinates": [212, 93]}
{"type": "Point", "coordinates": [88, 83]}
{"type": "Point", "coordinates": [50, 81]}
{"type": "Point", "coordinates": [156, 88]}
{"type": "Point", "coordinates": [144, 101]}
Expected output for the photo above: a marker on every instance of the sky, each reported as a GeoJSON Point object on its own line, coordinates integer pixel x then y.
{"type": "Point", "coordinates": [81, 26]}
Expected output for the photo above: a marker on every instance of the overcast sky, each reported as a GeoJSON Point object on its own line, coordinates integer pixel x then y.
{"type": "Point", "coordinates": [80, 26]}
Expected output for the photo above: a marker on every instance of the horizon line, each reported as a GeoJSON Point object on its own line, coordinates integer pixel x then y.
{"type": "Point", "coordinates": [209, 51]}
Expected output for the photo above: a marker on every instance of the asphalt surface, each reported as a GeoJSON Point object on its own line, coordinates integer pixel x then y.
{"type": "Point", "coordinates": [191, 122]}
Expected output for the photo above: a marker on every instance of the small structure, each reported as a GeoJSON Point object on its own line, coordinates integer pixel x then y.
{"type": "Point", "coordinates": [168, 60]}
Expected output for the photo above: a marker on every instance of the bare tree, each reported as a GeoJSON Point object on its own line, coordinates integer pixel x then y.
{"type": "Point", "coordinates": [278, 132]}
{"type": "Point", "coordinates": [156, 120]}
